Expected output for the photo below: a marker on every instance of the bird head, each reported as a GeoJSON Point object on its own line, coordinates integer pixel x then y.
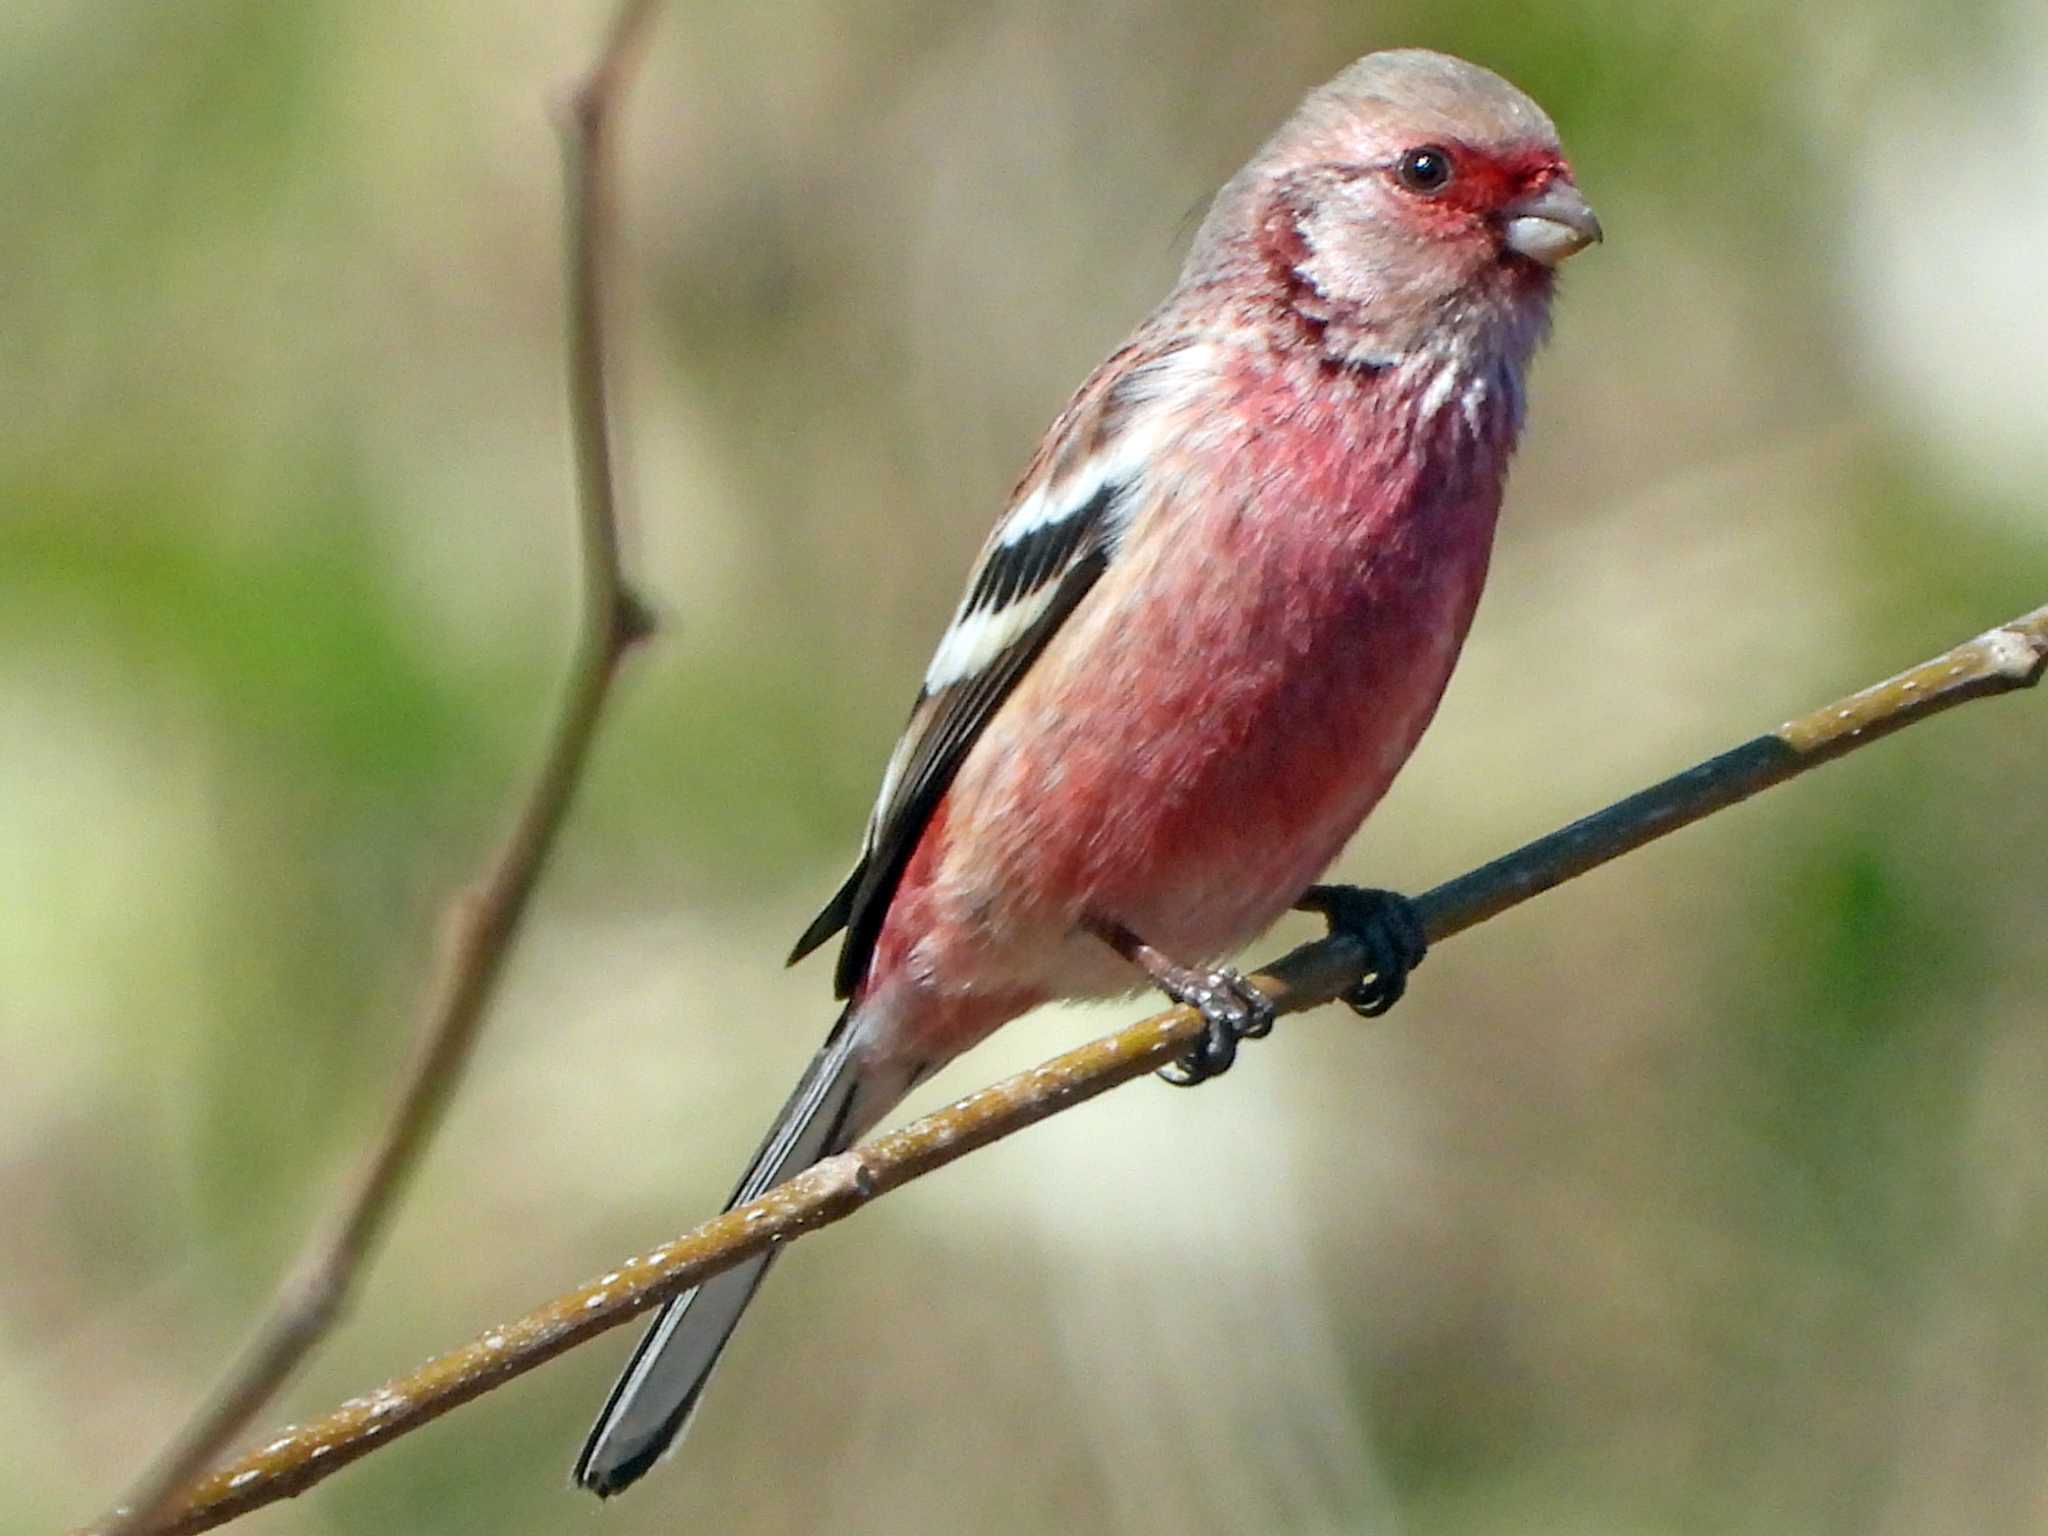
{"type": "Point", "coordinates": [1416, 201]}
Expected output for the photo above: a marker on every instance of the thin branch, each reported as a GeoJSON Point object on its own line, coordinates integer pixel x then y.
{"type": "Point", "coordinates": [483, 921]}
{"type": "Point", "coordinates": [1999, 661]}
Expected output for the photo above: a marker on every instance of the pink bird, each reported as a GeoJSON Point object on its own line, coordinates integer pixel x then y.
{"type": "Point", "coordinates": [1209, 629]}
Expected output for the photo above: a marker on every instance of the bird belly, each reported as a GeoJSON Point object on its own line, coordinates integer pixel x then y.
{"type": "Point", "coordinates": [1188, 764]}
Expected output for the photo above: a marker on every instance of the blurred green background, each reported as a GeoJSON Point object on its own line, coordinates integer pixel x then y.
{"type": "Point", "coordinates": [1708, 1194]}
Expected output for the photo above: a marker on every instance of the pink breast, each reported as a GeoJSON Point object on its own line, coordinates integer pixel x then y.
{"type": "Point", "coordinates": [1201, 739]}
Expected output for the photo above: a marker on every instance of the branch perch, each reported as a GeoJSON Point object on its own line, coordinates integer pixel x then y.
{"type": "Point", "coordinates": [482, 922]}
{"type": "Point", "coordinates": [1999, 661]}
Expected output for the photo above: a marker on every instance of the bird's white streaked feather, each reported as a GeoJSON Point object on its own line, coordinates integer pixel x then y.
{"type": "Point", "coordinates": [1444, 379]}
{"type": "Point", "coordinates": [1164, 380]}
{"type": "Point", "coordinates": [974, 640]}
{"type": "Point", "coordinates": [1053, 503]}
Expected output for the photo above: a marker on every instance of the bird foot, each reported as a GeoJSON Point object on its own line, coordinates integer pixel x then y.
{"type": "Point", "coordinates": [1389, 929]}
{"type": "Point", "coordinates": [1232, 1009]}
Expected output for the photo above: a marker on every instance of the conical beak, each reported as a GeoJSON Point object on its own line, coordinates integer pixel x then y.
{"type": "Point", "coordinates": [1549, 225]}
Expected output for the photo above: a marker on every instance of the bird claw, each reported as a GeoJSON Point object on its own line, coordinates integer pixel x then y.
{"type": "Point", "coordinates": [1389, 929]}
{"type": "Point", "coordinates": [1232, 1009]}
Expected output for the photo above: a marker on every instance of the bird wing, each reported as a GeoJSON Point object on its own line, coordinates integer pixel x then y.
{"type": "Point", "coordinates": [1061, 531]}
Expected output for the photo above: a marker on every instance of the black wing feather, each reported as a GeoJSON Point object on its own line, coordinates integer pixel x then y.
{"type": "Point", "coordinates": [1074, 551]}
{"type": "Point", "coordinates": [1014, 571]}
{"type": "Point", "coordinates": [963, 710]}
{"type": "Point", "coordinates": [1068, 550]}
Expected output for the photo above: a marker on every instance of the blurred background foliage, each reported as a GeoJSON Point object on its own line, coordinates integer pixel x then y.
{"type": "Point", "coordinates": [1706, 1194]}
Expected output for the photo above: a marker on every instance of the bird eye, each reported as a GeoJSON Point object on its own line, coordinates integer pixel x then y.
{"type": "Point", "coordinates": [1427, 169]}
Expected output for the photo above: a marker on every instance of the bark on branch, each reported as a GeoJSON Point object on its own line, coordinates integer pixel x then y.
{"type": "Point", "coordinates": [2010, 657]}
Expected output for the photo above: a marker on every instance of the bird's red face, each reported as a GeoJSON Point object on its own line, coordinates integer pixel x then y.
{"type": "Point", "coordinates": [1416, 203]}
{"type": "Point", "coordinates": [1517, 205]}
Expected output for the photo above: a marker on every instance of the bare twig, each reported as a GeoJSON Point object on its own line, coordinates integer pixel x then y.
{"type": "Point", "coordinates": [482, 922]}
{"type": "Point", "coordinates": [2010, 657]}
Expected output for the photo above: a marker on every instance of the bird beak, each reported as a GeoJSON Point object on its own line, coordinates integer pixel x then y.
{"type": "Point", "coordinates": [1551, 224]}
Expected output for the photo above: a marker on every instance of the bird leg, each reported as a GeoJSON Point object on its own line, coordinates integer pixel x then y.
{"type": "Point", "coordinates": [1232, 1009]}
{"type": "Point", "coordinates": [1390, 930]}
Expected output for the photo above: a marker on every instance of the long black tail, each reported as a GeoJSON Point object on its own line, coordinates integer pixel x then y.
{"type": "Point", "coordinates": [652, 1402]}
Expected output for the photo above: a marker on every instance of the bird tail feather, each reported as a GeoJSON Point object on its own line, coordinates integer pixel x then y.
{"type": "Point", "coordinates": [651, 1404]}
